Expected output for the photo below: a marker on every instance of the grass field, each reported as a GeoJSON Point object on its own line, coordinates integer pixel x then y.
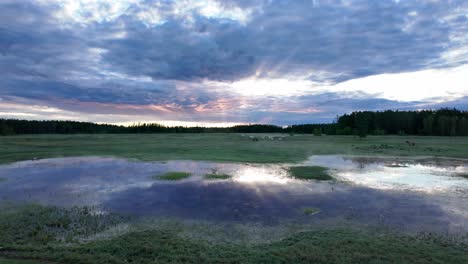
{"type": "Point", "coordinates": [52, 235]}
{"type": "Point", "coordinates": [19, 261]}
{"type": "Point", "coordinates": [223, 147]}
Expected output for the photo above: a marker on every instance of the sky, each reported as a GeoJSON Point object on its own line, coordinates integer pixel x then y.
{"type": "Point", "coordinates": [227, 62]}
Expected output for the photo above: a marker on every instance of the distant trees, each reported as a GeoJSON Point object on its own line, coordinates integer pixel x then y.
{"type": "Point", "coordinates": [13, 126]}
{"type": "Point", "coordinates": [5, 130]}
{"type": "Point", "coordinates": [329, 129]}
{"type": "Point", "coordinates": [318, 131]}
{"type": "Point", "coordinates": [363, 123]}
{"type": "Point", "coordinates": [463, 126]}
{"type": "Point", "coordinates": [443, 122]}
{"type": "Point", "coordinates": [427, 125]}
{"type": "Point", "coordinates": [256, 129]}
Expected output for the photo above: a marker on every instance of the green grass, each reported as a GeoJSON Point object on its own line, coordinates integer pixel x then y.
{"type": "Point", "coordinates": [310, 211]}
{"type": "Point", "coordinates": [173, 176]}
{"type": "Point", "coordinates": [330, 246]}
{"type": "Point", "coordinates": [22, 229]}
{"type": "Point", "coordinates": [22, 261]}
{"type": "Point", "coordinates": [310, 173]}
{"type": "Point", "coordinates": [217, 176]}
{"type": "Point", "coordinates": [19, 261]}
{"type": "Point", "coordinates": [223, 147]}
{"type": "Point", "coordinates": [33, 224]}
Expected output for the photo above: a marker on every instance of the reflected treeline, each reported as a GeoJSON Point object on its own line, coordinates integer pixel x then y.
{"type": "Point", "coordinates": [443, 122]}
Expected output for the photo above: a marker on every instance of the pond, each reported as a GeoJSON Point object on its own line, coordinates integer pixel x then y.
{"type": "Point", "coordinates": [408, 194]}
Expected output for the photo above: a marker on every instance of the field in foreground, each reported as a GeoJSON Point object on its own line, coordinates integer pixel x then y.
{"type": "Point", "coordinates": [52, 235]}
{"type": "Point", "coordinates": [224, 147]}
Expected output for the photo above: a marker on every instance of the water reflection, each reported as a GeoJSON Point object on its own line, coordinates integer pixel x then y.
{"type": "Point", "coordinates": [265, 174]}
{"type": "Point", "coordinates": [255, 192]}
{"type": "Point", "coordinates": [429, 175]}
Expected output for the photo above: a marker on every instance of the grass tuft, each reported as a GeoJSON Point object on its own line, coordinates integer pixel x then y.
{"type": "Point", "coordinates": [310, 173]}
{"type": "Point", "coordinates": [173, 176]}
{"type": "Point", "coordinates": [216, 176]}
{"type": "Point", "coordinates": [310, 211]}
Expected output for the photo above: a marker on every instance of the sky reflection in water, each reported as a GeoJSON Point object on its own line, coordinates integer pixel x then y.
{"type": "Point", "coordinates": [422, 195]}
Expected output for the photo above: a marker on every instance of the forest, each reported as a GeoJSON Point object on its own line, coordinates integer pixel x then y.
{"type": "Point", "coordinates": [442, 122]}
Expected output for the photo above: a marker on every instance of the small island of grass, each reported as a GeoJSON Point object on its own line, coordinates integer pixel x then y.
{"type": "Point", "coordinates": [310, 173]}
{"type": "Point", "coordinates": [173, 176]}
{"type": "Point", "coordinates": [310, 211]}
{"type": "Point", "coordinates": [217, 176]}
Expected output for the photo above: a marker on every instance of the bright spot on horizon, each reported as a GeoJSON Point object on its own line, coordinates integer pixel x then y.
{"type": "Point", "coordinates": [174, 123]}
{"type": "Point", "coordinates": [277, 87]}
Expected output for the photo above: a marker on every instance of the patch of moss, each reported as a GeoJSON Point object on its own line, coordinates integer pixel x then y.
{"type": "Point", "coordinates": [310, 211]}
{"type": "Point", "coordinates": [310, 173]}
{"type": "Point", "coordinates": [217, 176]}
{"type": "Point", "coordinates": [173, 176]}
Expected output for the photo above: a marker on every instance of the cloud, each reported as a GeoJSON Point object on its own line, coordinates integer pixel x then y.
{"type": "Point", "coordinates": [173, 51]}
{"type": "Point", "coordinates": [330, 41]}
{"type": "Point", "coordinates": [230, 61]}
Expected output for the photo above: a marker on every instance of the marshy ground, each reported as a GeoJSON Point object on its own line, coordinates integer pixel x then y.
{"type": "Point", "coordinates": [306, 208]}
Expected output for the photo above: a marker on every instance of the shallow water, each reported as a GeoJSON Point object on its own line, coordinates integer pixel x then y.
{"type": "Point", "coordinates": [417, 195]}
{"type": "Point", "coordinates": [427, 175]}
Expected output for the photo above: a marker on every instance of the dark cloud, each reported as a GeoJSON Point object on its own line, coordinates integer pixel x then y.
{"type": "Point", "coordinates": [174, 51]}
{"type": "Point", "coordinates": [32, 44]}
{"type": "Point", "coordinates": [329, 41]}
{"type": "Point", "coordinates": [163, 93]}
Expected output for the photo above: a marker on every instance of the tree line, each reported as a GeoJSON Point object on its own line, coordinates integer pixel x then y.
{"type": "Point", "coordinates": [443, 122]}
